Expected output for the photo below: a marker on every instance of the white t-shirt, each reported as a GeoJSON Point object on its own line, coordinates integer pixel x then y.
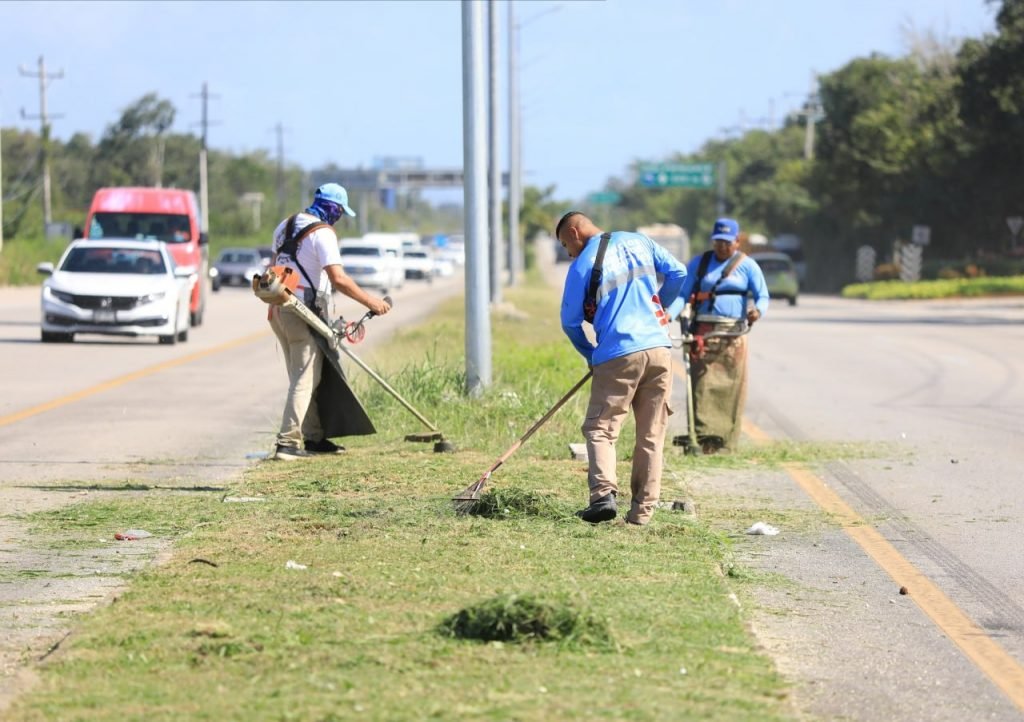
{"type": "Point", "coordinates": [316, 251]}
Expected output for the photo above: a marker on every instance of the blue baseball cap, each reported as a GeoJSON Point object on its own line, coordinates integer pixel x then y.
{"type": "Point", "coordinates": [335, 194]}
{"type": "Point", "coordinates": [726, 229]}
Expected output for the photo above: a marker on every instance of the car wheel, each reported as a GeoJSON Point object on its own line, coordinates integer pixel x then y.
{"type": "Point", "coordinates": [183, 335]}
{"type": "Point", "coordinates": [792, 300]}
{"type": "Point", "coordinates": [216, 284]}
{"type": "Point", "coordinates": [169, 340]}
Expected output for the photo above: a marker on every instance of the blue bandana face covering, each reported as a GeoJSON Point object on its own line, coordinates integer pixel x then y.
{"type": "Point", "coordinates": [327, 211]}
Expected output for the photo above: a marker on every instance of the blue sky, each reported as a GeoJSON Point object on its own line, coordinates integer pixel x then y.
{"type": "Point", "coordinates": [603, 83]}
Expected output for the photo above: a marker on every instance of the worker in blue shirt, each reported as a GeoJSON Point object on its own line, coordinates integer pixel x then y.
{"type": "Point", "coordinates": [631, 361]}
{"type": "Point", "coordinates": [723, 289]}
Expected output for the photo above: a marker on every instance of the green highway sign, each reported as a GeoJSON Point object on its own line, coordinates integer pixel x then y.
{"type": "Point", "coordinates": [608, 198]}
{"type": "Point", "coordinates": [677, 175]}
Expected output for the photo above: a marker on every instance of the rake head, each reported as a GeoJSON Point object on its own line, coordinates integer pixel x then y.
{"type": "Point", "coordinates": [466, 499]}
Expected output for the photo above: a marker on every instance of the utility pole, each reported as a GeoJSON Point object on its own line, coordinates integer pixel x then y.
{"type": "Point", "coordinates": [513, 148]}
{"type": "Point", "coordinates": [204, 193]}
{"type": "Point", "coordinates": [279, 129]}
{"type": "Point", "coordinates": [44, 132]}
{"type": "Point", "coordinates": [474, 123]}
{"type": "Point", "coordinates": [493, 155]}
{"type": "Point", "coordinates": [811, 112]}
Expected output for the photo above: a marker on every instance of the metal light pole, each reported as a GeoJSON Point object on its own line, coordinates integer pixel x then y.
{"type": "Point", "coordinates": [514, 191]}
{"type": "Point", "coordinates": [493, 155]}
{"type": "Point", "coordinates": [474, 121]}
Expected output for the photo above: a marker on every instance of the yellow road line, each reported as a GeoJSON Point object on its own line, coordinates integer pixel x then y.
{"type": "Point", "coordinates": [120, 380]}
{"type": "Point", "coordinates": [1004, 671]}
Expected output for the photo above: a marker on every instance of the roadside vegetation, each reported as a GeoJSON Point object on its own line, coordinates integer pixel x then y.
{"type": "Point", "coordinates": [350, 587]}
{"type": "Point", "coordinates": [939, 288]}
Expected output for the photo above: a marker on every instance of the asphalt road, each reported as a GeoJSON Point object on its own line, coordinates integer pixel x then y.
{"type": "Point", "coordinates": [933, 392]}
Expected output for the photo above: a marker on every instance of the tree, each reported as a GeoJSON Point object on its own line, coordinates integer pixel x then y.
{"type": "Point", "coordinates": [131, 151]}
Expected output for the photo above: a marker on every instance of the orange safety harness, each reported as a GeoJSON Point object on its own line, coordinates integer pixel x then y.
{"type": "Point", "coordinates": [698, 297]}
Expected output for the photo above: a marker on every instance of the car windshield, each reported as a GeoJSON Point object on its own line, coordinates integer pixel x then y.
{"type": "Point", "coordinates": [103, 259]}
{"type": "Point", "coordinates": [360, 251]}
{"type": "Point", "coordinates": [415, 254]}
{"type": "Point", "coordinates": [239, 257]}
{"type": "Point", "coordinates": [167, 227]}
{"type": "Point", "coordinates": [774, 265]}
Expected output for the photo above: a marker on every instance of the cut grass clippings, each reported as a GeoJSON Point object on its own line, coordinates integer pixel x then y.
{"type": "Point", "coordinates": [643, 623]}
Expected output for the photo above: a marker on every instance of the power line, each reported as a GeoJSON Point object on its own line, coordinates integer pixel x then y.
{"type": "Point", "coordinates": [44, 134]}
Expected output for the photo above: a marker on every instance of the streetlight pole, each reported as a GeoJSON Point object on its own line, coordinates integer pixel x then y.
{"type": "Point", "coordinates": [494, 157]}
{"type": "Point", "coordinates": [513, 147]}
{"type": "Point", "coordinates": [478, 321]}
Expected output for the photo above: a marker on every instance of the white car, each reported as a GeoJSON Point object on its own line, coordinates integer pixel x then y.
{"type": "Point", "coordinates": [118, 288]}
{"type": "Point", "coordinates": [419, 263]}
{"type": "Point", "coordinates": [372, 263]}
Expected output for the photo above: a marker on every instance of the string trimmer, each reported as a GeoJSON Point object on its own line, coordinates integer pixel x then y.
{"type": "Point", "coordinates": [277, 285]}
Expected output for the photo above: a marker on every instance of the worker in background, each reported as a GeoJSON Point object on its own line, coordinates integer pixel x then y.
{"type": "Point", "coordinates": [715, 296]}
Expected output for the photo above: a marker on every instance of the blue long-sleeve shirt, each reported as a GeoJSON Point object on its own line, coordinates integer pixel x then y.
{"type": "Point", "coordinates": [746, 278]}
{"type": "Point", "coordinates": [627, 318]}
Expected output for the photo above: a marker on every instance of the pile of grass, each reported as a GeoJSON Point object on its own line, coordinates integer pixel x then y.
{"type": "Point", "coordinates": [526, 618]}
{"type": "Point", "coordinates": [512, 502]}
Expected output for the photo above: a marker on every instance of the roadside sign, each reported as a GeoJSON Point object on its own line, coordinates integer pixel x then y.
{"type": "Point", "coordinates": [910, 262]}
{"type": "Point", "coordinates": [1015, 223]}
{"type": "Point", "coordinates": [677, 175]}
{"type": "Point", "coordinates": [607, 198]}
{"type": "Point", "coordinates": [921, 235]}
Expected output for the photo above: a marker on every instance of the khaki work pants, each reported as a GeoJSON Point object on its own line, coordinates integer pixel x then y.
{"type": "Point", "coordinates": [302, 358]}
{"type": "Point", "coordinates": [641, 381]}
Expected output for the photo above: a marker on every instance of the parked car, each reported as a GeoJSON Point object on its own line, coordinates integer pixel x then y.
{"type": "Point", "coordinates": [236, 266]}
{"type": "Point", "coordinates": [779, 274]}
{"type": "Point", "coordinates": [266, 254]}
{"type": "Point", "coordinates": [118, 288]}
{"type": "Point", "coordinates": [419, 263]}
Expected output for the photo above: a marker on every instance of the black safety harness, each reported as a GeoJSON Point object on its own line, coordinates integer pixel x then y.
{"type": "Point", "coordinates": [596, 276]}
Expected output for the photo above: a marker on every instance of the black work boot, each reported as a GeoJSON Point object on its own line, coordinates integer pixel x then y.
{"type": "Point", "coordinates": [603, 509]}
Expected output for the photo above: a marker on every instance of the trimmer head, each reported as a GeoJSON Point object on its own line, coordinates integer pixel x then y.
{"type": "Point", "coordinates": [441, 446]}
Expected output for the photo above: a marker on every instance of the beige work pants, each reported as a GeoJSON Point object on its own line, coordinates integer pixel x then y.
{"type": "Point", "coordinates": [302, 358]}
{"type": "Point", "coordinates": [641, 381]}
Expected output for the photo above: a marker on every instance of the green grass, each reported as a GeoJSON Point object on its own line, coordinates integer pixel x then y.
{"type": "Point", "coordinates": [19, 258]}
{"type": "Point", "coordinates": [643, 625]}
{"type": "Point", "coordinates": [945, 288]}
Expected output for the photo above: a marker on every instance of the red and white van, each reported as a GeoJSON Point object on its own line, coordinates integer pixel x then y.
{"type": "Point", "coordinates": [161, 214]}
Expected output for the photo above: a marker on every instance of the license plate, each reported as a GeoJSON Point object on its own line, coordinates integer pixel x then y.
{"type": "Point", "coordinates": [103, 316]}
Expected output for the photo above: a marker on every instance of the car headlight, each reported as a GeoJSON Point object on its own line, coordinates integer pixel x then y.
{"type": "Point", "coordinates": [61, 295]}
{"type": "Point", "coordinates": [150, 298]}
{"type": "Point", "coordinates": [214, 272]}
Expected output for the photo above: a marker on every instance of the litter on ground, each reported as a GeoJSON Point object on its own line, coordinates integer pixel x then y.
{"type": "Point", "coordinates": [763, 529]}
